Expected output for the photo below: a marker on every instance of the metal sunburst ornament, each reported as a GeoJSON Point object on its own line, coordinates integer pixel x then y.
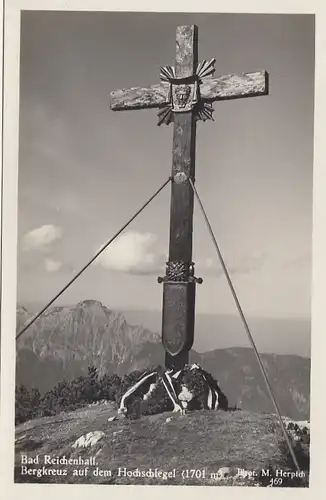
{"type": "Point", "coordinates": [184, 93]}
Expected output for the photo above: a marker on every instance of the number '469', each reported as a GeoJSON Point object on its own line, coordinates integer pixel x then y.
{"type": "Point", "coordinates": [276, 481]}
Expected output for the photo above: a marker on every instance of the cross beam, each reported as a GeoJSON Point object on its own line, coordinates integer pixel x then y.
{"type": "Point", "coordinates": [184, 95]}
{"type": "Point", "coordinates": [213, 89]}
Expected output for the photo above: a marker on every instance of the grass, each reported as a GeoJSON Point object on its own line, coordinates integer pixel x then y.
{"type": "Point", "coordinates": [201, 440]}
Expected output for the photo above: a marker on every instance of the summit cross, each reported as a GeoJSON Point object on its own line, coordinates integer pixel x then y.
{"type": "Point", "coordinates": [184, 95]}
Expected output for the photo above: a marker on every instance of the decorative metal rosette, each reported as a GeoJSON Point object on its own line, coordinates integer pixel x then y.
{"type": "Point", "coordinates": [180, 271]}
{"type": "Point", "coordinates": [177, 271]}
{"type": "Point", "coordinates": [184, 93]}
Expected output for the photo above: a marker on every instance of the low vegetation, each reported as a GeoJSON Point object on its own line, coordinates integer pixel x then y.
{"type": "Point", "coordinates": [82, 391]}
{"type": "Point", "coordinates": [69, 395]}
{"type": "Point", "coordinates": [91, 388]}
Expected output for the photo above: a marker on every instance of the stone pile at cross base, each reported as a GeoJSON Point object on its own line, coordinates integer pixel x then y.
{"type": "Point", "coordinates": [158, 390]}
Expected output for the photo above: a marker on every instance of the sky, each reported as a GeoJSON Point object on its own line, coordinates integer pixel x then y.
{"type": "Point", "coordinates": [84, 169]}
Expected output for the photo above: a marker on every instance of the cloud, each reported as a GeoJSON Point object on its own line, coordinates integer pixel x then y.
{"type": "Point", "coordinates": [52, 265]}
{"type": "Point", "coordinates": [134, 253]}
{"type": "Point", "coordinates": [244, 264]}
{"type": "Point", "coordinates": [139, 253]}
{"type": "Point", "coordinates": [42, 237]}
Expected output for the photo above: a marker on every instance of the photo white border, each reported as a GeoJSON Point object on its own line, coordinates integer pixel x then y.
{"type": "Point", "coordinates": [9, 258]}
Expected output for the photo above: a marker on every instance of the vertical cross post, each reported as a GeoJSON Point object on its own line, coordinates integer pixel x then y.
{"type": "Point", "coordinates": [178, 315]}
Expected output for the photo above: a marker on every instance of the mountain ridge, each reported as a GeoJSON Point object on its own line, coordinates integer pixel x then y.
{"type": "Point", "coordinates": [66, 340]}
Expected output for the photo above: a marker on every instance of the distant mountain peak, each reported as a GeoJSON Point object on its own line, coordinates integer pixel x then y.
{"type": "Point", "coordinates": [90, 303]}
{"type": "Point", "coordinates": [88, 333]}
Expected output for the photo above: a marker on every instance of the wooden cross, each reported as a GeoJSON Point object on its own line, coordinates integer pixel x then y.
{"type": "Point", "coordinates": [185, 95]}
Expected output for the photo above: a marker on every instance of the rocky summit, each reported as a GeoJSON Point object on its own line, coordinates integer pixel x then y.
{"type": "Point", "coordinates": [216, 448]}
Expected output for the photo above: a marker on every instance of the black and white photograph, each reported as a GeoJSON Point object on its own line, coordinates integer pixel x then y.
{"type": "Point", "coordinates": [164, 248]}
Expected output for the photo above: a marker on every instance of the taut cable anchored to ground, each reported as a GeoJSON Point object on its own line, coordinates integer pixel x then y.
{"type": "Point", "coordinates": [245, 324]}
{"type": "Point", "coordinates": [92, 259]}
